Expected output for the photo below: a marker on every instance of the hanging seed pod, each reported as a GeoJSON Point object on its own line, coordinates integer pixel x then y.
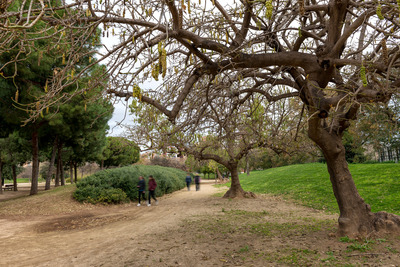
{"type": "Point", "coordinates": [159, 48]}
{"type": "Point", "coordinates": [85, 107]}
{"type": "Point", "coordinates": [188, 4]}
{"type": "Point", "coordinates": [90, 59]}
{"type": "Point", "coordinates": [385, 54]}
{"type": "Point", "coordinates": [63, 59]}
{"type": "Point", "coordinates": [379, 12]}
{"type": "Point", "coordinates": [136, 91]}
{"type": "Point", "coordinates": [72, 73]}
{"type": "Point", "coordinates": [46, 86]}
{"type": "Point", "coordinates": [16, 96]}
{"type": "Point", "coordinates": [155, 71]}
{"type": "Point", "coordinates": [363, 75]}
{"type": "Point", "coordinates": [164, 62]}
{"type": "Point", "coordinates": [133, 38]}
{"type": "Point", "coordinates": [41, 114]}
{"type": "Point", "coordinates": [301, 7]}
{"type": "Point", "coordinates": [47, 110]}
{"type": "Point", "coordinates": [269, 8]}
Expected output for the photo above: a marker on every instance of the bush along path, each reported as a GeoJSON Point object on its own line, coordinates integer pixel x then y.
{"type": "Point", "coordinates": [120, 185]}
{"type": "Point", "coordinates": [187, 228]}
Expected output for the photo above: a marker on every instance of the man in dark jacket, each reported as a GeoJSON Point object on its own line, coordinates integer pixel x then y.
{"type": "Point", "coordinates": [141, 187]}
{"type": "Point", "coordinates": [188, 181]}
{"type": "Point", "coordinates": [197, 181]}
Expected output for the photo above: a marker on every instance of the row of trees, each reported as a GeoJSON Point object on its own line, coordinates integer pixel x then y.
{"type": "Point", "coordinates": [70, 132]}
{"type": "Point", "coordinates": [230, 71]}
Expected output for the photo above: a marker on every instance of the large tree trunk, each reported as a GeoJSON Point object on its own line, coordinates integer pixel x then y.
{"type": "Point", "coordinates": [51, 165]}
{"type": "Point", "coordinates": [35, 161]}
{"type": "Point", "coordinates": [236, 190]}
{"type": "Point", "coordinates": [14, 175]}
{"type": "Point", "coordinates": [1, 177]}
{"type": "Point", "coordinates": [356, 218]}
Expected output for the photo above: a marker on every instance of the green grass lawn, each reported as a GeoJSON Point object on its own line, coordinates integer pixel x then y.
{"type": "Point", "coordinates": [378, 184]}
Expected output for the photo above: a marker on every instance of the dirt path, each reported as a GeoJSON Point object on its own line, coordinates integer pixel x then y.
{"type": "Point", "coordinates": [45, 242]}
{"type": "Point", "coordinates": [187, 228]}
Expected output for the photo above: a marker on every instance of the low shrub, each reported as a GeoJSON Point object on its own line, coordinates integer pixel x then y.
{"type": "Point", "coordinates": [119, 185]}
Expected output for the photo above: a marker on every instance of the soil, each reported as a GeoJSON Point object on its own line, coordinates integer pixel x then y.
{"type": "Point", "coordinates": [186, 228]}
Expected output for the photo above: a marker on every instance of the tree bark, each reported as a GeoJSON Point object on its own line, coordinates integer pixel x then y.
{"type": "Point", "coordinates": [247, 166]}
{"type": "Point", "coordinates": [62, 178]}
{"type": "Point", "coordinates": [76, 171]}
{"type": "Point", "coordinates": [14, 175]}
{"type": "Point", "coordinates": [236, 190]}
{"type": "Point", "coordinates": [51, 165]}
{"type": "Point", "coordinates": [71, 172]}
{"type": "Point", "coordinates": [1, 177]}
{"type": "Point", "coordinates": [356, 218]}
{"type": "Point", "coordinates": [35, 161]}
{"type": "Point", "coordinates": [57, 179]}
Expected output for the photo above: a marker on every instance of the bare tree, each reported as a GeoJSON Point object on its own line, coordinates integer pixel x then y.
{"type": "Point", "coordinates": [331, 55]}
{"type": "Point", "coordinates": [222, 129]}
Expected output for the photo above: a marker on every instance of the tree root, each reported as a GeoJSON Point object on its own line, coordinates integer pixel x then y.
{"type": "Point", "coordinates": [239, 194]}
{"type": "Point", "coordinates": [384, 222]}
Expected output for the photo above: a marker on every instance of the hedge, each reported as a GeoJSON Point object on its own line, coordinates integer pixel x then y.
{"type": "Point", "coordinates": [119, 185]}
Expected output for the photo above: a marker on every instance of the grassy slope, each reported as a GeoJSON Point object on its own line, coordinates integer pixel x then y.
{"type": "Point", "coordinates": [378, 184]}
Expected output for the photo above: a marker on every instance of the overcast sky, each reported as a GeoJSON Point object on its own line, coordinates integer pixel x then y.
{"type": "Point", "coordinates": [118, 118]}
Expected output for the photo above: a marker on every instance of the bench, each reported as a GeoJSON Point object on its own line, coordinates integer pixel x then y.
{"type": "Point", "coordinates": [8, 187]}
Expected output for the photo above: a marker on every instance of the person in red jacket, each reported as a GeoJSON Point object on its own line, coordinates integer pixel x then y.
{"type": "Point", "coordinates": [152, 188]}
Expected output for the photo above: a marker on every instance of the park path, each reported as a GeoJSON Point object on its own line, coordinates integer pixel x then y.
{"type": "Point", "coordinates": [31, 243]}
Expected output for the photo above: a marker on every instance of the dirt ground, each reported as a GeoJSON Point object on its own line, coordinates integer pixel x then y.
{"type": "Point", "coordinates": [187, 228]}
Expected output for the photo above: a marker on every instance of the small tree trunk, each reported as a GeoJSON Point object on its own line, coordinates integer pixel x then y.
{"type": "Point", "coordinates": [57, 180]}
{"type": "Point", "coordinates": [35, 161]}
{"type": "Point", "coordinates": [51, 165]}
{"type": "Point", "coordinates": [71, 172]}
{"type": "Point", "coordinates": [236, 190]}
{"type": "Point", "coordinates": [247, 166]}
{"type": "Point", "coordinates": [76, 172]}
{"type": "Point", "coordinates": [62, 178]}
{"type": "Point", "coordinates": [14, 175]}
{"type": "Point", "coordinates": [102, 164]}
{"type": "Point", "coordinates": [356, 218]}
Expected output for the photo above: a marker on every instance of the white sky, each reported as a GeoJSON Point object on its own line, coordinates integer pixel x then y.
{"type": "Point", "coordinates": [118, 118]}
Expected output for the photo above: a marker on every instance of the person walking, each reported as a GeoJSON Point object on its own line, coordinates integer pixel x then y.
{"type": "Point", "coordinates": [197, 181]}
{"type": "Point", "coordinates": [188, 181]}
{"type": "Point", "coordinates": [141, 187]}
{"type": "Point", "coordinates": [152, 188]}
